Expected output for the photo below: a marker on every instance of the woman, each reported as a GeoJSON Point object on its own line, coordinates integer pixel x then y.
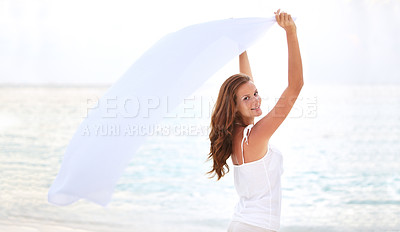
{"type": "Point", "coordinates": [257, 164]}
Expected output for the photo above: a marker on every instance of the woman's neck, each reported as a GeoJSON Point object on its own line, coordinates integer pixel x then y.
{"type": "Point", "coordinates": [246, 122]}
{"type": "Point", "coordinates": [249, 121]}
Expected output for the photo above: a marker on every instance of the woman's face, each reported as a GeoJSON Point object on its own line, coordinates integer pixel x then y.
{"type": "Point", "coordinates": [248, 101]}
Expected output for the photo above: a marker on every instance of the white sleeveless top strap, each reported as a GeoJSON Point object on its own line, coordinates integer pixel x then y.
{"type": "Point", "coordinates": [246, 133]}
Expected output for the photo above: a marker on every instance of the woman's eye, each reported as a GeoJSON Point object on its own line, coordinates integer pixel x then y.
{"type": "Point", "coordinates": [256, 93]}
{"type": "Point", "coordinates": [245, 98]}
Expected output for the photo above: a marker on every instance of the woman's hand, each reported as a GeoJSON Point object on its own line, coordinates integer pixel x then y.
{"type": "Point", "coordinates": [285, 21]}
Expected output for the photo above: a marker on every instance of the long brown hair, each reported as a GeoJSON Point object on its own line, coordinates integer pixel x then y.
{"type": "Point", "coordinates": [223, 119]}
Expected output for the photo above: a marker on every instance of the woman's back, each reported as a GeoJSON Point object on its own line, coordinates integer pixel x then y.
{"type": "Point", "coordinates": [258, 185]}
{"type": "Point", "coordinates": [254, 149]}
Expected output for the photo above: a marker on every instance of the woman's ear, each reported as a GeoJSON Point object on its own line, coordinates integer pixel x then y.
{"type": "Point", "coordinates": [236, 109]}
{"type": "Point", "coordinates": [236, 105]}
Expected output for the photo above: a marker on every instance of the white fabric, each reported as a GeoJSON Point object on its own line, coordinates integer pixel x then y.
{"type": "Point", "coordinates": [258, 184]}
{"type": "Point", "coordinates": [174, 67]}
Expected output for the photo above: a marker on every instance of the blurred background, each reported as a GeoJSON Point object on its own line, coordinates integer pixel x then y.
{"type": "Point", "coordinates": [340, 142]}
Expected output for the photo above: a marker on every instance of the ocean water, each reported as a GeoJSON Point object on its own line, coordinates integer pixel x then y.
{"type": "Point", "coordinates": [340, 144]}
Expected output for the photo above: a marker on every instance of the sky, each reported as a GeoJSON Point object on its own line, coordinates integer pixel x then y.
{"type": "Point", "coordinates": [96, 41]}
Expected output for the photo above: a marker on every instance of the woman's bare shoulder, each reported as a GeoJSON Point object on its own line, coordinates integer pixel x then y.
{"type": "Point", "coordinates": [256, 147]}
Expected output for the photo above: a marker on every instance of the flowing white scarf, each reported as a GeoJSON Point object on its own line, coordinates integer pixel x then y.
{"type": "Point", "coordinates": [173, 68]}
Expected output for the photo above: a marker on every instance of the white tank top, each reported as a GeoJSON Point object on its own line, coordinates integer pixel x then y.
{"type": "Point", "coordinates": [258, 185]}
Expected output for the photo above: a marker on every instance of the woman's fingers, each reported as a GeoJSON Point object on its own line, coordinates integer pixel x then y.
{"type": "Point", "coordinates": [285, 17]}
{"type": "Point", "coordinates": [281, 16]}
{"type": "Point", "coordinates": [284, 20]}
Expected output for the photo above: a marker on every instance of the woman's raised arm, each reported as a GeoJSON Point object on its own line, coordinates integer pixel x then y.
{"type": "Point", "coordinates": [244, 65]}
{"type": "Point", "coordinates": [295, 65]}
{"type": "Point", "coordinates": [267, 126]}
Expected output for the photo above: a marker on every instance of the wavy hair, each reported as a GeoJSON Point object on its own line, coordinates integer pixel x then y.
{"type": "Point", "coordinates": [223, 119]}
